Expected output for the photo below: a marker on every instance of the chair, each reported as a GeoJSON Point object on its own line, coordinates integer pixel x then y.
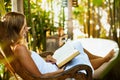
{"type": "Point", "coordinates": [71, 73]}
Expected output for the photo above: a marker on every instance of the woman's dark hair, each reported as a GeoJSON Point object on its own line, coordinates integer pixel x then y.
{"type": "Point", "coordinates": [13, 22]}
{"type": "Point", "coordinates": [10, 26]}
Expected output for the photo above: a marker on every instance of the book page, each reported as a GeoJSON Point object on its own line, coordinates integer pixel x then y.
{"type": "Point", "coordinates": [65, 54]}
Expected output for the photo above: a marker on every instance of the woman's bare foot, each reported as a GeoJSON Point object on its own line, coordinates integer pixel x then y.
{"type": "Point", "coordinates": [109, 55]}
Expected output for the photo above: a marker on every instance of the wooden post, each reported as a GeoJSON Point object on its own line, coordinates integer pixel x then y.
{"type": "Point", "coordinates": [17, 6]}
{"type": "Point", "coordinates": [70, 24]}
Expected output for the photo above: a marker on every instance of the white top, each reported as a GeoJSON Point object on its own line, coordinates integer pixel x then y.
{"type": "Point", "coordinates": [45, 67]}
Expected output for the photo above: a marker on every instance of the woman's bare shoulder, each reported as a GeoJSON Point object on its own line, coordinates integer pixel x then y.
{"type": "Point", "coordinates": [20, 49]}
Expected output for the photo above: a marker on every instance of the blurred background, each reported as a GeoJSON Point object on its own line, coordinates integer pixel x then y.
{"type": "Point", "coordinates": [67, 19]}
{"type": "Point", "coordinates": [53, 22]}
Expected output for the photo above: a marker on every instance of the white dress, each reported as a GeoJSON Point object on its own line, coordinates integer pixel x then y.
{"type": "Point", "coordinates": [45, 67]}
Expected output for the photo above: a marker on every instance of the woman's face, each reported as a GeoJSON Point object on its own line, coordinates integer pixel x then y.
{"type": "Point", "coordinates": [24, 29]}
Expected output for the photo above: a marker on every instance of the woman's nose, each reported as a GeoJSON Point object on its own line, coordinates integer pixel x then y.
{"type": "Point", "coordinates": [27, 28]}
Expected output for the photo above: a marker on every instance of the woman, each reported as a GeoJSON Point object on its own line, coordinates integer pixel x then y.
{"type": "Point", "coordinates": [13, 43]}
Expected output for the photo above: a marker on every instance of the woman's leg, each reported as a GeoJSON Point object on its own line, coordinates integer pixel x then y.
{"type": "Point", "coordinates": [97, 61]}
{"type": "Point", "coordinates": [91, 55]}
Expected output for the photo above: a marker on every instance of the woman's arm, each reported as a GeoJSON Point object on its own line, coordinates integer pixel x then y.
{"type": "Point", "coordinates": [52, 73]}
{"type": "Point", "coordinates": [23, 54]}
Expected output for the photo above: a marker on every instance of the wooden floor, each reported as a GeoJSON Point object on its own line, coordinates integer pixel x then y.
{"type": "Point", "coordinates": [114, 71]}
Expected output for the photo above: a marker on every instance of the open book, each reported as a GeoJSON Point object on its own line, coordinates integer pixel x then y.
{"type": "Point", "coordinates": [64, 54]}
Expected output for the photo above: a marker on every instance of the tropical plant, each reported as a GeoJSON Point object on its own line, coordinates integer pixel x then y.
{"type": "Point", "coordinates": [40, 22]}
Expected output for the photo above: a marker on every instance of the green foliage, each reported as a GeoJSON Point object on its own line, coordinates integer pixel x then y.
{"type": "Point", "coordinates": [78, 12]}
{"type": "Point", "coordinates": [2, 8]}
{"type": "Point", "coordinates": [117, 3]}
{"type": "Point", "coordinates": [40, 23]}
{"type": "Point", "coordinates": [98, 2]}
{"type": "Point", "coordinates": [8, 5]}
{"type": "Point", "coordinates": [5, 6]}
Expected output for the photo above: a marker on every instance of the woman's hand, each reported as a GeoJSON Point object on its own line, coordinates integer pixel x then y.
{"type": "Point", "coordinates": [53, 73]}
{"type": "Point", "coordinates": [49, 58]}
